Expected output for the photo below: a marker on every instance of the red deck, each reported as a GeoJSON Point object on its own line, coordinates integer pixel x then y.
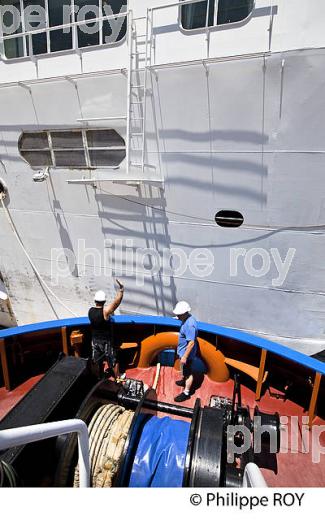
{"type": "Point", "coordinates": [9, 399]}
{"type": "Point", "coordinates": [294, 469]}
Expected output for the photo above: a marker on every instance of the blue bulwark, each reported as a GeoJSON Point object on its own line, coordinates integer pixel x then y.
{"type": "Point", "coordinates": [244, 337]}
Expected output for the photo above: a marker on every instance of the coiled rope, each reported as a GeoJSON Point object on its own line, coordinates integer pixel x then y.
{"type": "Point", "coordinates": [108, 431]}
{"type": "Point", "coordinates": [8, 476]}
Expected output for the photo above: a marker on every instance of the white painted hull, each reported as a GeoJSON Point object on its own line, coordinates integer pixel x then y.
{"type": "Point", "coordinates": [244, 133]}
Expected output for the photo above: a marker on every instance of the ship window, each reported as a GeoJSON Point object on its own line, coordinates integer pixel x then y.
{"type": "Point", "coordinates": [88, 34]}
{"type": "Point", "coordinates": [104, 138]}
{"type": "Point", "coordinates": [37, 159]}
{"type": "Point", "coordinates": [106, 157]}
{"type": "Point", "coordinates": [114, 32]}
{"type": "Point", "coordinates": [48, 17]}
{"type": "Point", "coordinates": [210, 13]}
{"type": "Point", "coordinates": [35, 149]}
{"type": "Point", "coordinates": [70, 158]}
{"type": "Point", "coordinates": [35, 141]}
{"type": "Point", "coordinates": [60, 39]}
{"type": "Point", "coordinates": [11, 25]}
{"type": "Point", "coordinates": [73, 148]}
{"type": "Point", "coordinates": [66, 140]}
{"type": "Point", "coordinates": [106, 147]}
{"type": "Point", "coordinates": [229, 218]}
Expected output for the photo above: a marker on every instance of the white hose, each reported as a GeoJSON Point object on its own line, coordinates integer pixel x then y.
{"type": "Point", "coordinates": [253, 476]}
{"type": "Point", "coordinates": [37, 273]}
{"type": "Point", "coordinates": [155, 383]}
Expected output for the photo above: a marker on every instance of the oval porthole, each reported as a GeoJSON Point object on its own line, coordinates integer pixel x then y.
{"type": "Point", "coordinates": [229, 218]}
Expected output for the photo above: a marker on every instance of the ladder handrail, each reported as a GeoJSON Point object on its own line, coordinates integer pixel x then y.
{"type": "Point", "coordinates": [36, 432]}
{"type": "Point", "coordinates": [135, 67]}
{"type": "Point", "coordinates": [147, 63]}
{"type": "Point", "coordinates": [128, 96]}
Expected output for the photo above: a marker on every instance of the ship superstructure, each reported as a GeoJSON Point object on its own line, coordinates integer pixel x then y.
{"type": "Point", "coordinates": [179, 145]}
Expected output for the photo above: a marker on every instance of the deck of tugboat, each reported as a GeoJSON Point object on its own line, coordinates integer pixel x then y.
{"type": "Point", "coordinates": [293, 466]}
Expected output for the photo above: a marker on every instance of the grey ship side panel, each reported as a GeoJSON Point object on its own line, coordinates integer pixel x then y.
{"type": "Point", "coordinates": [248, 136]}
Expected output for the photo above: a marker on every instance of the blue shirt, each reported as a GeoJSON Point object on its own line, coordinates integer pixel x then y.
{"type": "Point", "coordinates": [188, 332]}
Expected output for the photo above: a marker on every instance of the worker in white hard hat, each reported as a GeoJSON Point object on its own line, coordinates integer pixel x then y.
{"type": "Point", "coordinates": [103, 348]}
{"type": "Point", "coordinates": [187, 348]}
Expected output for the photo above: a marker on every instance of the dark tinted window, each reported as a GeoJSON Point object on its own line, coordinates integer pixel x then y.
{"type": "Point", "coordinates": [67, 139]}
{"type": "Point", "coordinates": [73, 148]}
{"type": "Point", "coordinates": [35, 149]}
{"type": "Point", "coordinates": [106, 157]}
{"type": "Point", "coordinates": [70, 159]}
{"type": "Point", "coordinates": [104, 138]}
{"type": "Point", "coordinates": [39, 159]}
{"type": "Point", "coordinates": [207, 14]}
{"type": "Point", "coordinates": [56, 13]}
{"type": "Point", "coordinates": [32, 141]}
{"type": "Point", "coordinates": [230, 11]}
{"type": "Point", "coordinates": [196, 15]}
{"type": "Point", "coordinates": [114, 30]}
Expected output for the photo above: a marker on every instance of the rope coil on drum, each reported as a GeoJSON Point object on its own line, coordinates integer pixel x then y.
{"type": "Point", "coordinates": [8, 475]}
{"type": "Point", "coordinates": [132, 446]}
{"type": "Point", "coordinates": [108, 431]}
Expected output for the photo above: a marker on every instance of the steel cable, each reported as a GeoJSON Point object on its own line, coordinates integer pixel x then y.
{"type": "Point", "coordinates": [37, 273]}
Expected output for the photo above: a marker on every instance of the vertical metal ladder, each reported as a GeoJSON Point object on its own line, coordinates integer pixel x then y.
{"type": "Point", "coordinates": [139, 46]}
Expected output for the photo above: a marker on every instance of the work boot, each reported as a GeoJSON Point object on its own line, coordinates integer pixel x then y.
{"type": "Point", "coordinates": [182, 397]}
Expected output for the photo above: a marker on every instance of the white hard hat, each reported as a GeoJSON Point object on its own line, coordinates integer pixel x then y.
{"type": "Point", "coordinates": [181, 308]}
{"type": "Point", "coordinates": [100, 296]}
{"type": "Point", "coordinates": [3, 296]}
{"type": "Point", "coordinates": [3, 290]}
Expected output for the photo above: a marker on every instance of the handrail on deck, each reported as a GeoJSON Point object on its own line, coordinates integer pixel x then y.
{"type": "Point", "coordinates": [38, 432]}
{"type": "Point", "coordinates": [253, 477]}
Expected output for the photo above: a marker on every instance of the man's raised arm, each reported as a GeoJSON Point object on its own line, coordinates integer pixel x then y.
{"type": "Point", "coordinates": [109, 309]}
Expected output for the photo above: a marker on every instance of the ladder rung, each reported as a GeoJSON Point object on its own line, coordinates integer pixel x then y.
{"type": "Point", "coordinates": [137, 118]}
{"type": "Point", "coordinates": [136, 164]}
{"type": "Point", "coordinates": [137, 149]}
{"type": "Point", "coordinates": [137, 134]}
{"type": "Point", "coordinates": [137, 70]}
{"type": "Point", "coordinates": [137, 86]}
{"type": "Point", "coordinates": [138, 53]}
{"type": "Point", "coordinates": [136, 102]}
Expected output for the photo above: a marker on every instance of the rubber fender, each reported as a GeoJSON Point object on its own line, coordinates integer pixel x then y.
{"type": "Point", "coordinates": [214, 359]}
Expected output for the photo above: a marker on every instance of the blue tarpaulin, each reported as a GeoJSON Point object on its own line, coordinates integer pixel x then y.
{"type": "Point", "coordinates": [160, 457]}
